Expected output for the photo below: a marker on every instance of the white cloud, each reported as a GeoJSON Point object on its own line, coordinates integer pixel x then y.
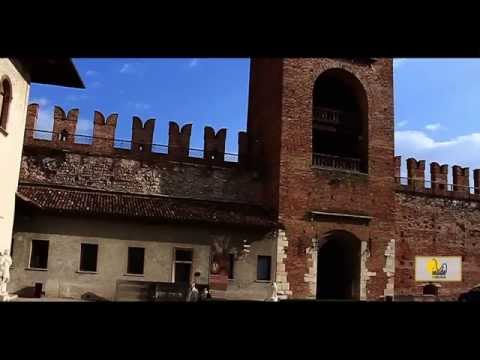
{"type": "Point", "coordinates": [401, 124]}
{"type": "Point", "coordinates": [193, 63]}
{"type": "Point", "coordinates": [127, 69]}
{"type": "Point", "coordinates": [434, 127]}
{"type": "Point", "coordinates": [40, 101]}
{"type": "Point", "coordinates": [137, 68]}
{"type": "Point", "coordinates": [96, 84]}
{"type": "Point", "coordinates": [91, 73]}
{"type": "Point", "coordinates": [461, 150]}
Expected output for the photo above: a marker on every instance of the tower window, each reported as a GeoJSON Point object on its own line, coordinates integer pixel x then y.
{"type": "Point", "coordinates": [5, 100]}
{"type": "Point", "coordinates": [340, 122]}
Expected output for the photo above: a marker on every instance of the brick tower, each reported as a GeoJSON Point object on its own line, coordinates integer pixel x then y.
{"type": "Point", "coordinates": [321, 135]}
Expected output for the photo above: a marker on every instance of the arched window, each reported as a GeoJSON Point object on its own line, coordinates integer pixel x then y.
{"type": "Point", "coordinates": [6, 98]}
{"type": "Point", "coordinates": [340, 122]}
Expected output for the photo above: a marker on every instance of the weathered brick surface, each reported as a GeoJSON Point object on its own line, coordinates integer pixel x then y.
{"type": "Point", "coordinates": [416, 173]}
{"type": "Point", "coordinates": [64, 124]}
{"type": "Point", "coordinates": [436, 226]}
{"type": "Point", "coordinates": [461, 179]}
{"type": "Point", "coordinates": [214, 144]}
{"type": "Point", "coordinates": [136, 176]}
{"type": "Point", "coordinates": [103, 131]}
{"type": "Point", "coordinates": [302, 188]}
{"type": "Point", "coordinates": [140, 146]}
{"type": "Point", "coordinates": [264, 124]}
{"type": "Point", "coordinates": [179, 140]}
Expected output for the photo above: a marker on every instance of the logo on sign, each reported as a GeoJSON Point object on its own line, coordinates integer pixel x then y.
{"type": "Point", "coordinates": [436, 270]}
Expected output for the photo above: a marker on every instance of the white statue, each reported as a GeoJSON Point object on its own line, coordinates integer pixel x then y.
{"type": "Point", "coordinates": [5, 263]}
{"type": "Point", "coordinates": [274, 296]}
{"type": "Point", "coordinates": [193, 294]}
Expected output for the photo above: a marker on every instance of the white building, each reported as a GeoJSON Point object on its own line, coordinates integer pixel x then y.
{"type": "Point", "coordinates": [16, 75]}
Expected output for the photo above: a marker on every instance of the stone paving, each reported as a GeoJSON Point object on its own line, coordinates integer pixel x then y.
{"type": "Point", "coordinates": [45, 299]}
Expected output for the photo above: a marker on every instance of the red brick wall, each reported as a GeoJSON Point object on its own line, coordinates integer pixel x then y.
{"type": "Point", "coordinates": [436, 226]}
{"type": "Point", "coordinates": [264, 125]}
{"type": "Point", "coordinates": [57, 167]}
{"type": "Point", "coordinates": [303, 188]}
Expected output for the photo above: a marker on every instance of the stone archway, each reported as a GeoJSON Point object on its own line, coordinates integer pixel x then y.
{"type": "Point", "coordinates": [339, 267]}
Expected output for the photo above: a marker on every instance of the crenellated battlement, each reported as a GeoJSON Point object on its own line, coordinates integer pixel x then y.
{"type": "Point", "coordinates": [438, 184]}
{"type": "Point", "coordinates": [103, 141]}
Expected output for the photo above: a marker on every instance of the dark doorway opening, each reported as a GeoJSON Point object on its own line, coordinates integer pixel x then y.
{"type": "Point", "coordinates": [183, 266]}
{"type": "Point", "coordinates": [182, 273]}
{"type": "Point", "coordinates": [338, 267]}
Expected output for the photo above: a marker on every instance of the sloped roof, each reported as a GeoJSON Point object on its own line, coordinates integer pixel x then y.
{"type": "Point", "coordinates": [70, 201]}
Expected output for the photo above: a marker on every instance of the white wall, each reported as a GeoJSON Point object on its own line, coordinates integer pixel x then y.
{"type": "Point", "coordinates": [66, 234]}
{"type": "Point", "coordinates": [11, 149]}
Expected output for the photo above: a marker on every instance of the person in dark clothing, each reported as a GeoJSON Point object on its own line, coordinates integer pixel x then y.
{"type": "Point", "coordinates": [206, 294]}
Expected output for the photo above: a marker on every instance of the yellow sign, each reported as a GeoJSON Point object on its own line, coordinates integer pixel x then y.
{"type": "Point", "coordinates": [438, 268]}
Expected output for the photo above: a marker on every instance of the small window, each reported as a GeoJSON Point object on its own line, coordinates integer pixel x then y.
{"type": "Point", "coordinates": [183, 265]}
{"type": "Point", "coordinates": [231, 266]}
{"type": "Point", "coordinates": [183, 255]}
{"type": "Point", "coordinates": [136, 257]}
{"type": "Point", "coordinates": [39, 255]}
{"type": "Point", "coordinates": [263, 267]}
{"type": "Point", "coordinates": [5, 99]}
{"type": "Point", "coordinates": [88, 257]}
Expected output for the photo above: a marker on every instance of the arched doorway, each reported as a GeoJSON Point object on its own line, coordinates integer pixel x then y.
{"type": "Point", "coordinates": [338, 267]}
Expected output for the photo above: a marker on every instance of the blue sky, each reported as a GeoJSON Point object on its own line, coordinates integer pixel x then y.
{"type": "Point", "coordinates": [203, 92]}
{"type": "Point", "coordinates": [437, 111]}
{"type": "Point", "coordinates": [437, 107]}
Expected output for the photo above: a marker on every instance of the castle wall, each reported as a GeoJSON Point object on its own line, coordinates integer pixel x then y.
{"type": "Point", "coordinates": [137, 176]}
{"type": "Point", "coordinates": [436, 219]}
{"type": "Point", "coordinates": [102, 166]}
{"type": "Point", "coordinates": [436, 226]}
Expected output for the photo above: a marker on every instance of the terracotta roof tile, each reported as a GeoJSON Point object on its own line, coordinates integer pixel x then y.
{"type": "Point", "coordinates": [101, 203]}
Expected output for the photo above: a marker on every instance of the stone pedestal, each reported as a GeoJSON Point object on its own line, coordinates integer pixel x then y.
{"type": "Point", "coordinates": [218, 282]}
{"type": "Point", "coordinates": [7, 297]}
